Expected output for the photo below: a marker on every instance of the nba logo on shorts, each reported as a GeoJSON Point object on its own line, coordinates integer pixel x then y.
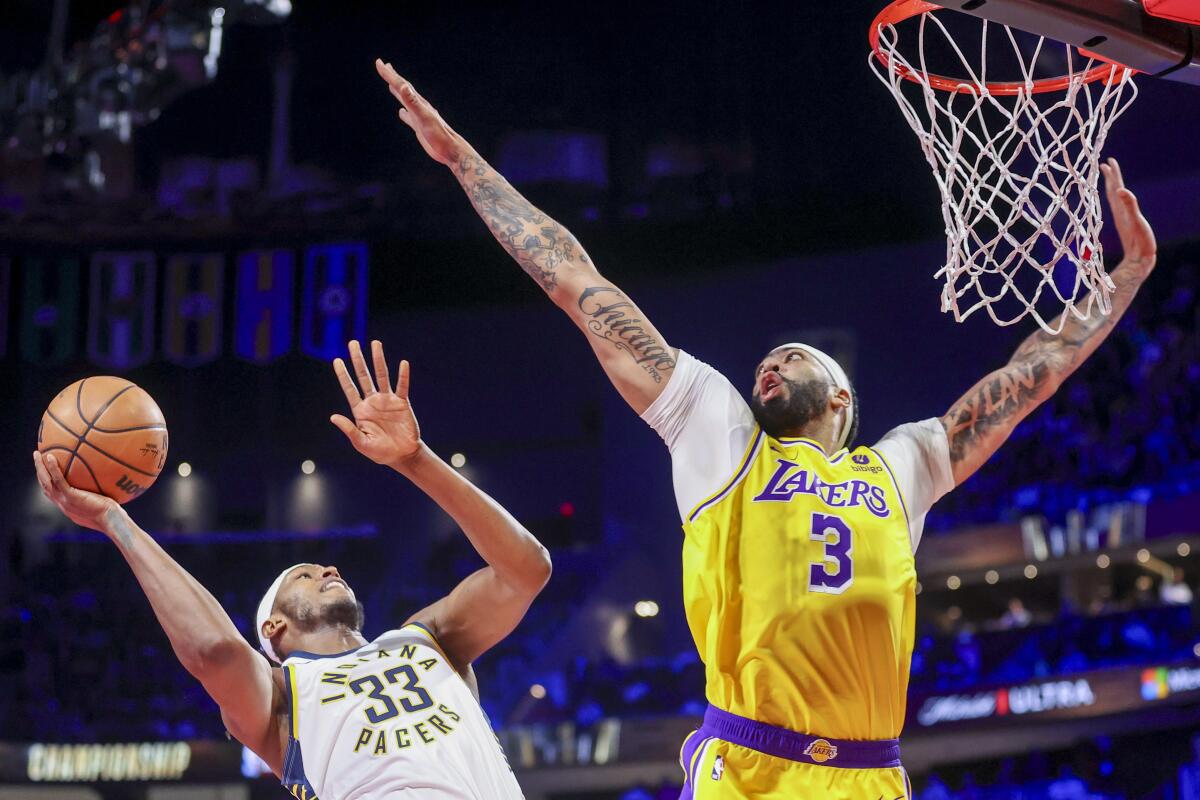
{"type": "Point", "coordinates": [718, 768]}
{"type": "Point", "coordinates": [821, 751]}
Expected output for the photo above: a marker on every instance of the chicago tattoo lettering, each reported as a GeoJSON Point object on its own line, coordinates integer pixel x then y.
{"type": "Point", "coordinates": [608, 313]}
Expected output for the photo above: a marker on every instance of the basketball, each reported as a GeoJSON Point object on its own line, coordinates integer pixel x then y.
{"type": "Point", "coordinates": [108, 436]}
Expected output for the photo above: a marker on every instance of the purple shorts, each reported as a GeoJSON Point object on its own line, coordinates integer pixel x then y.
{"type": "Point", "coordinates": [783, 743]}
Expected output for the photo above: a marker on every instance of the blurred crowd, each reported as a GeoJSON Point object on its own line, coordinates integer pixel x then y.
{"type": "Point", "coordinates": [587, 691]}
{"type": "Point", "coordinates": [1071, 644]}
{"type": "Point", "coordinates": [1128, 419]}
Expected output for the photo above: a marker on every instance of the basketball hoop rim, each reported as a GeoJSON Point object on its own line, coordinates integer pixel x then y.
{"type": "Point", "coordinates": [900, 10]}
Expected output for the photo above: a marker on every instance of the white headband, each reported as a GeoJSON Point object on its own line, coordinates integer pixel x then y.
{"type": "Point", "coordinates": [840, 381]}
{"type": "Point", "coordinates": [264, 613]}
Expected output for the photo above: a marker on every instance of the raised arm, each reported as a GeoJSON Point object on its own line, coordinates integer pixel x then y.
{"type": "Point", "coordinates": [633, 354]}
{"type": "Point", "coordinates": [984, 417]}
{"type": "Point", "coordinates": [204, 638]}
{"type": "Point", "coordinates": [488, 604]}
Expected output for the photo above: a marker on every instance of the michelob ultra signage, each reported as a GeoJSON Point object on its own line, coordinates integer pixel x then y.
{"type": "Point", "coordinates": [1092, 694]}
{"type": "Point", "coordinates": [1032, 698]}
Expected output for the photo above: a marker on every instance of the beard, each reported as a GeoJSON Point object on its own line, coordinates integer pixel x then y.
{"type": "Point", "coordinates": [341, 613]}
{"type": "Point", "coordinates": [803, 403]}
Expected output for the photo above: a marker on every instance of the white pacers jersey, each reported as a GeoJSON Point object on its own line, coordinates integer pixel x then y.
{"type": "Point", "coordinates": [392, 719]}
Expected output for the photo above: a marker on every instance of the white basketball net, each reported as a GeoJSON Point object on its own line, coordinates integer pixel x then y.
{"type": "Point", "coordinates": [1018, 176]}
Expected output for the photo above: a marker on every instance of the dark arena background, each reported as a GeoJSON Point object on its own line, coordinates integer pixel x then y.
{"type": "Point", "coordinates": [210, 200]}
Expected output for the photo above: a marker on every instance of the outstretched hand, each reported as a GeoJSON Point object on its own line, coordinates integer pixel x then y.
{"type": "Point", "coordinates": [1137, 237]}
{"type": "Point", "coordinates": [439, 139]}
{"type": "Point", "coordinates": [86, 509]}
{"type": "Point", "coordinates": [384, 429]}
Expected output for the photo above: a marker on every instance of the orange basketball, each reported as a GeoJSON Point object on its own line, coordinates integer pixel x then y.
{"type": "Point", "coordinates": [107, 435]}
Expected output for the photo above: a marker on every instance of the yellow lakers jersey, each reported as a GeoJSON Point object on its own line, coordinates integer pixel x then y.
{"type": "Point", "coordinates": [799, 588]}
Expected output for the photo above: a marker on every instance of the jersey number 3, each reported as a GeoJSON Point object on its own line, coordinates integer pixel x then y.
{"type": "Point", "coordinates": [387, 707]}
{"type": "Point", "coordinates": [835, 572]}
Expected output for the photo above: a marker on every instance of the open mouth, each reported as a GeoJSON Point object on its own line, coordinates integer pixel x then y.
{"type": "Point", "coordinates": [332, 582]}
{"type": "Point", "coordinates": [770, 386]}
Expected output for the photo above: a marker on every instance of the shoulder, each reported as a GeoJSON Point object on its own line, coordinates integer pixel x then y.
{"type": "Point", "coordinates": [917, 455]}
{"type": "Point", "coordinates": [696, 396]}
{"type": "Point", "coordinates": [924, 439]}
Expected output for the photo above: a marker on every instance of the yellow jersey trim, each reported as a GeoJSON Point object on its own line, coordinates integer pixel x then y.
{"type": "Point", "coordinates": [743, 468]}
{"type": "Point", "coordinates": [697, 757]}
{"type": "Point", "coordinates": [433, 642]}
{"type": "Point", "coordinates": [813, 443]}
{"type": "Point", "coordinates": [289, 674]}
{"type": "Point", "coordinates": [895, 483]}
{"type": "Point", "coordinates": [682, 748]}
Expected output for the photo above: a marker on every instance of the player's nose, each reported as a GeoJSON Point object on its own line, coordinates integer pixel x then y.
{"type": "Point", "coordinates": [330, 572]}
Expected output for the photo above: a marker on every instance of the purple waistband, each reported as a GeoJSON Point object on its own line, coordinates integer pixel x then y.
{"type": "Point", "coordinates": [782, 743]}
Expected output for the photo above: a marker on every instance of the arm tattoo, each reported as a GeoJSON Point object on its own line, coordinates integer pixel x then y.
{"type": "Point", "coordinates": [608, 315]}
{"type": "Point", "coordinates": [120, 529]}
{"type": "Point", "coordinates": [1040, 365]}
{"type": "Point", "coordinates": [1004, 395]}
{"type": "Point", "coordinates": [538, 243]}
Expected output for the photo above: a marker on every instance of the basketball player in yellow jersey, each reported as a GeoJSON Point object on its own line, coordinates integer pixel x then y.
{"type": "Point", "coordinates": [396, 717]}
{"type": "Point", "coordinates": [798, 552]}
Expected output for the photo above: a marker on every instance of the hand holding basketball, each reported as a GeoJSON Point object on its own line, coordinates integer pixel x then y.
{"type": "Point", "coordinates": [1137, 237]}
{"type": "Point", "coordinates": [86, 509]}
{"type": "Point", "coordinates": [439, 139]}
{"type": "Point", "coordinates": [384, 429]}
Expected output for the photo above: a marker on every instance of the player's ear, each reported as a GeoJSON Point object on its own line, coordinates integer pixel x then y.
{"type": "Point", "coordinates": [273, 626]}
{"type": "Point", "coordinates": [840, 399]}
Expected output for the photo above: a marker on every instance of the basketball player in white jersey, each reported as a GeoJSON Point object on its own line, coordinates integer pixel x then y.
{"type": "Point", "coordinates": [344, 718]}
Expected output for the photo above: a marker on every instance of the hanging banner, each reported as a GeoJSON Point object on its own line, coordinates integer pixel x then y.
{"type": "Point", "coordinates": [121, 309]}
{"type": "Point", "coordinates": [5, 276]}
{"type": "Point", "coordinates": [266, 282]}
{"type": "Point", "coordinates": [335, 298]}
{"type": "Point", "coordinates": [49, 311]}
{"type": "Point", "coordinates": [193, 308]}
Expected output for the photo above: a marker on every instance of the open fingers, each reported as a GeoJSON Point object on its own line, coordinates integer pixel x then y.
{"type": "Point", "coordinates": [360, 369]}
{"type": "Point", "coordinates": [57, 479]}
{"type": "Point", "coordinates": [402, 379]}
{"type": "Point", "coordinates": [43, 477]}
{"type": "Point", "coordinates": [347, 427]}
{"type": "Point", "coordinates": [407, 118]}
{"type": "Point", "coordinates": [382, 376]}
{"type": "Point", "coordinates": [389, 74]}
{"type": "Point", "coordinates": [1113, 180]}
{"type": "Point", "coordinates": [400, 87]}
{"type": "Point", "coordinates": [348, 387]}
{"type": "Point", "coordinates": [1115, 166]}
